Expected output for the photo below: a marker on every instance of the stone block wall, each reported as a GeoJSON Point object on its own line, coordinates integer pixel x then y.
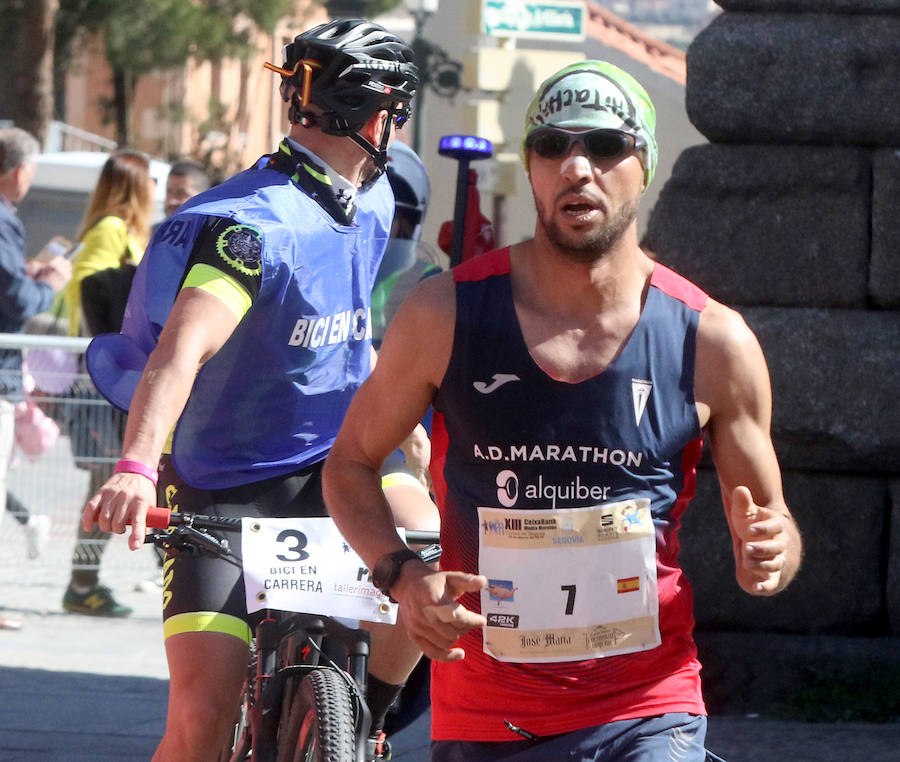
{"type": "Point", "coordinates": [791, 214]}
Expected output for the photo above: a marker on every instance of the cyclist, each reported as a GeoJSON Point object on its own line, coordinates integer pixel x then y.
{"type": "Point", "coordinates": [252, 307]}
{"type": "Point", "coordinates": [572, 379]}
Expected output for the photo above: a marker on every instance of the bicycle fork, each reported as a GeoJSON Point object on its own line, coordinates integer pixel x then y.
{"type": "Point", "coordinates": [295, 653]}
{"type": "Point", "coordinates": [264, 712]}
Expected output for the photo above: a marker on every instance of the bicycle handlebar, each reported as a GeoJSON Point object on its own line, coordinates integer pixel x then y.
{"type": "Point", "coordinates": [164, 518]}
{"type": "Point", "coordinates": [158, 518]}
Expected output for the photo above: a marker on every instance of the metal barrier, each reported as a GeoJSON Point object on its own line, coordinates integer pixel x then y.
{"type": "Point", "coordinates": [66, 137]}
{"type": "Point", "coordinates": [58, 482]}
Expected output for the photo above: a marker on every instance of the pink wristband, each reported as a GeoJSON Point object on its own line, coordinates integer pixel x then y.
{"type": "Point", "coordinates": [134, 467]}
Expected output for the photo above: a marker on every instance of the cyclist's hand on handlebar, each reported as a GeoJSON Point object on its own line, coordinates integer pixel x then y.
{"type": "Point", "coordinates": [433, 617]}
{"type": "Point", "coordinates": [122, 500]}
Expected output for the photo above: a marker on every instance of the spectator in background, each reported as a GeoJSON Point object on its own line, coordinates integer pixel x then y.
{"type": "Point", "coordinates": [105, 292]}
{"type": "Point", "coordinates": [27, 287]}
{"type": "Point", "coordinates": [115, 228]}
{"type": "Point", "coordinates": [113, 234]}
{"type": "Point", "coordinates": [186, 179]}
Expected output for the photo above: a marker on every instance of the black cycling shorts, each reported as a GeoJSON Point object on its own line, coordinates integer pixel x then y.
{"type": "Point", "coordinates": [204, 593]}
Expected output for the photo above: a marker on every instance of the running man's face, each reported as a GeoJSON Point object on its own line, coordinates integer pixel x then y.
{"type": "Point", "coordinates": [584, 205]}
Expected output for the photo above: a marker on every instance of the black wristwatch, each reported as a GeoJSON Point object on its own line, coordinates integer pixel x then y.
{"type": "Point", "coordinates": [387, 569]}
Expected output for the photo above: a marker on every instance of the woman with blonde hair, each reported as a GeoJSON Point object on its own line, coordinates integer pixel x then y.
{"type": "Point", "coordinates": [115, 228]}
{"type": "Point", "coordinates": [113, 234]}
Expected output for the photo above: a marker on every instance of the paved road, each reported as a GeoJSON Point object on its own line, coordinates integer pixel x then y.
{"type": "Point", "coordinates": [74, 688]}
{"type": "Point", "coordinates": [77, 689]}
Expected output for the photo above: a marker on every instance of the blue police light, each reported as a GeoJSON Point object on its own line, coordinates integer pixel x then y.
{"type": "Point", "coordinates": [465, 147]}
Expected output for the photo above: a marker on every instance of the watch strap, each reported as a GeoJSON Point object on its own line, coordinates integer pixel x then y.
{"type": "Point", "coordinates": [396, 561]}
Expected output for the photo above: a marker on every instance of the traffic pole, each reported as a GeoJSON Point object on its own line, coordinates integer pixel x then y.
{"type": "Point", "coordinates": [465, 149]}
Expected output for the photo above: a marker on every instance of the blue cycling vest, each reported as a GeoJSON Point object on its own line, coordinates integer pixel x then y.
{"type": "Point", "coordinates": [271, 400]}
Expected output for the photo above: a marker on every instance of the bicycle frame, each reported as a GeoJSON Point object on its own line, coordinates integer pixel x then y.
{"type": "Point", "coordinates": [280, 638]}
{"type": "Point", "coordinates": [287, 644]}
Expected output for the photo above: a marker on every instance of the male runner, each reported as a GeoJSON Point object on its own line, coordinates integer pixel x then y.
{"type": "Point", "coordinates": [252, 304]}
{"type": "Point", "coordinates": [573, 379]}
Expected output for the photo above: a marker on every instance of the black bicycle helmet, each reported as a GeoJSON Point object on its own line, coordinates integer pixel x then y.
{"type": "Point", "coordinates": [350, 69]}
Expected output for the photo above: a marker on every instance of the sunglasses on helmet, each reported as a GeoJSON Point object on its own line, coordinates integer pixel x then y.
{"type": "Point", "coordinates": [555, 142]}
{"type": "Point", "coordinates": [400, 115]}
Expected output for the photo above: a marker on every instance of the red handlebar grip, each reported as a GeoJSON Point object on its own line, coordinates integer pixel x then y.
{"type": "Point", "coordinates": [158, 518]}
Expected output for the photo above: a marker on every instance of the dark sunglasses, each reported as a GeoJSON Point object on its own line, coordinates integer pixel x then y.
{"type": "Point", "coordinates": [555, 142]}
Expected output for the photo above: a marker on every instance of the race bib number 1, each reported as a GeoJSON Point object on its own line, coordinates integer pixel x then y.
{"type": "Point", "coordinates": [568, 584]}
{"type": "Point", "coordinates": [306, 565]}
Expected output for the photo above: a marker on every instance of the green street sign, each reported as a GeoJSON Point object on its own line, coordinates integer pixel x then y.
{"type": "Point", "coordinates": [554, 19]}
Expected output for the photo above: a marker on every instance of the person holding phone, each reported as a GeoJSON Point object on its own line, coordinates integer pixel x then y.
{"type": "Point", "coordinates": [114, 231]}
{"type": "Point", "coordinates": [27, 288]}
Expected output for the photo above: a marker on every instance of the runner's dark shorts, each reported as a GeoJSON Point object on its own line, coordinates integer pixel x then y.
{"type": "Point", "coordinates": [674, 737]}
{"type": "Point", "coordinates": [206, 594]}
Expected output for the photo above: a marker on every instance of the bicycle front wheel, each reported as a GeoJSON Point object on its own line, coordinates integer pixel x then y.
{"type": "Point", "coordinates": [319, 727]}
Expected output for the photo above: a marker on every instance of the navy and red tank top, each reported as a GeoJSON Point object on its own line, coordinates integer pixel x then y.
{"type": "Point", "coordinates": [507, 434]}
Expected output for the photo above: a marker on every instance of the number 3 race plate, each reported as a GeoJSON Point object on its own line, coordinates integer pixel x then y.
{"type": "Point", "coordinates": [306, 565]}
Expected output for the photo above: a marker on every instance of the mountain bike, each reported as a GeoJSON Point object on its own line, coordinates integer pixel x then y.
{"type": "Point", "coordinates": [304, 698]}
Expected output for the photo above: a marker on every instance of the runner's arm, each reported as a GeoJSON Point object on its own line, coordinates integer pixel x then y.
{"type": "Point", "coordinates": [411, 364]}
{"type": "Point", "coordinates": [734, 395]}
{"type": "Point", "coordinates": [416, 446]}
{"type": "Point", "coordinates": [384, 411]}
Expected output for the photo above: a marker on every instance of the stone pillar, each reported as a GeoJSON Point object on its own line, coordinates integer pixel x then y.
{"type": "Point", "coordinates": [791, 214]}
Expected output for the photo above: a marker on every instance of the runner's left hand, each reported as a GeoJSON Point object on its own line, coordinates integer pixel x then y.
{"type": "Point", "coordinates": [760, 544]}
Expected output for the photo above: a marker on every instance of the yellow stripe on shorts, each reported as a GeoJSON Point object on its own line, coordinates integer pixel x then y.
{"type": "Point", "coordinates": [401, 479]}
{"type": "Point", "coordinates": [207, 621]}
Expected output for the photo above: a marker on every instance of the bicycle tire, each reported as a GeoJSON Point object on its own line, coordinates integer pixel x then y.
{"type": "Point", "coordinates": [320, 726]}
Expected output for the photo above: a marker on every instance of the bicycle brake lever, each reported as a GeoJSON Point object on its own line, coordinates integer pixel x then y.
{"type": "Point", "coordinates": [205, 541]}
{"type": "Point", "coordinates": [185, 538]}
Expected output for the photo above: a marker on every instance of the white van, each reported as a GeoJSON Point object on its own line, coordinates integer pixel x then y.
{"type": "Point", "coordinates": [59, 195]}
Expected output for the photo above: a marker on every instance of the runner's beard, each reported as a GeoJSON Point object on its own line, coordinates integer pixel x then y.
{"type": "Point", "coordinates": [593, 245]}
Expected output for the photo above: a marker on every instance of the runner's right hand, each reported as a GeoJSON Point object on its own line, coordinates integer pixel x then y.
{"type": "Point", "coordinates": [430, 611]}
